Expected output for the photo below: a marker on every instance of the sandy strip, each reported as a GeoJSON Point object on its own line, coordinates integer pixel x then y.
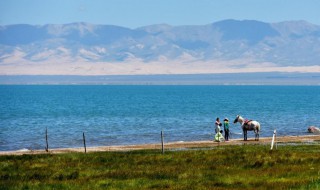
{"type": "Point", "coordinates": [171, 145]}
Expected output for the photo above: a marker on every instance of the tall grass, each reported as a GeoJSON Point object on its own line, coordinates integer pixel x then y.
{"type": "Point", "coordinates": [231, 167]}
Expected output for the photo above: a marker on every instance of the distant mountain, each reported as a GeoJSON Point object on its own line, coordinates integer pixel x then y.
{"type": "Point", "coordinates": [82, 48]}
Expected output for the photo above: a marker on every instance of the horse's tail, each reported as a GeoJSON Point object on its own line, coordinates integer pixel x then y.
{"type": "Point", "coordinates": [258, 127]}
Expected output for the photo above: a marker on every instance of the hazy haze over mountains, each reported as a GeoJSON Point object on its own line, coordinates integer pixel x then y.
{"type": "Point", "coordinates": [227, 46]}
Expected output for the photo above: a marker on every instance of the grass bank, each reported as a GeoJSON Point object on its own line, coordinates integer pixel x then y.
{"type": "Point", "coordinates": [228, 167]}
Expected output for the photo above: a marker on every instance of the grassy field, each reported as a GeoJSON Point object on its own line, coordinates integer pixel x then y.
{"type": "Point", "coordinates": [228, 167]}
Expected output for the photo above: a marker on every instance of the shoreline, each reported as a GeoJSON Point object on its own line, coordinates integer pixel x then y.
{"type": "Point", "coordinates": [170, 145]}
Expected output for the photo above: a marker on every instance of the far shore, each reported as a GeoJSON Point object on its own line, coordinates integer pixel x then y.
{"type": "Point", "coordinates": [171, 145]}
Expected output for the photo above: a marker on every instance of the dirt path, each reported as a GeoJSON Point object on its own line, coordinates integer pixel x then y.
{"type": "Point", "coordinates": [172, 145]}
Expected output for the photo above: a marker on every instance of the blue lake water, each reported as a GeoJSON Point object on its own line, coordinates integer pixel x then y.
{"type": "Point", "coordinates": [122, 115]}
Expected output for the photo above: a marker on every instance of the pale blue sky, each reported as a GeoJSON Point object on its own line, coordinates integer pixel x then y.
{"type": "Point", "coordinates": [136, 13]}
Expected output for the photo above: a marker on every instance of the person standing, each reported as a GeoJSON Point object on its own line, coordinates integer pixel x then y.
{"type": "Point", "coordinates": [218, 137]}
{"type": "Point", "coordinates": [218, 125]}
{"type": "Point", "coordinates": [226, 129]}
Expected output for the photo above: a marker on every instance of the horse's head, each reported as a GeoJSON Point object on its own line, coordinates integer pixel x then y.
{"type": "Point", "coordinates": [237, 118]}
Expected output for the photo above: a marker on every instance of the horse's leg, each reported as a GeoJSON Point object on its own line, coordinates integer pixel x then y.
{"type": "Point", "coordinates": [244, 134]}
{"type": "Point", "coordinates": [257, 134]}
{"type": "Point", "coordinates": [258, 131]}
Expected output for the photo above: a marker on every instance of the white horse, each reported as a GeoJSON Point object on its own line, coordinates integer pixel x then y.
{"type": "Point", "coordinates": [248, 126]}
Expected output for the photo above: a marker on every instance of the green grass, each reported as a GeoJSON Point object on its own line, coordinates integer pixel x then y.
{"type": "Point", "coordinates": [230, 167]}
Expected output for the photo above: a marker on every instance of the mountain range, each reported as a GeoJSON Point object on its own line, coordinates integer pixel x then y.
{"type": "Point", "coordinates": [220, 47]}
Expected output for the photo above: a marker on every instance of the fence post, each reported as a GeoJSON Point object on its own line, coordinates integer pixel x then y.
{"type": "Point", "coordinates": [273, 138]}
{"type": "Point", "coordinates": [47, 144]}
{"type": "Point", "coordinates": [162, 142]}
{"type": "Point", "coordinates": [84, 143]}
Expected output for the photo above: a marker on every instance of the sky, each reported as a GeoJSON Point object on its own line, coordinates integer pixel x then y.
{"type": "Point", "coordinates": [137, 13]}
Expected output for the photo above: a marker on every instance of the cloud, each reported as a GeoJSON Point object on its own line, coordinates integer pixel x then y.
{"type": "Point", "coordinates": [132, 66]}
